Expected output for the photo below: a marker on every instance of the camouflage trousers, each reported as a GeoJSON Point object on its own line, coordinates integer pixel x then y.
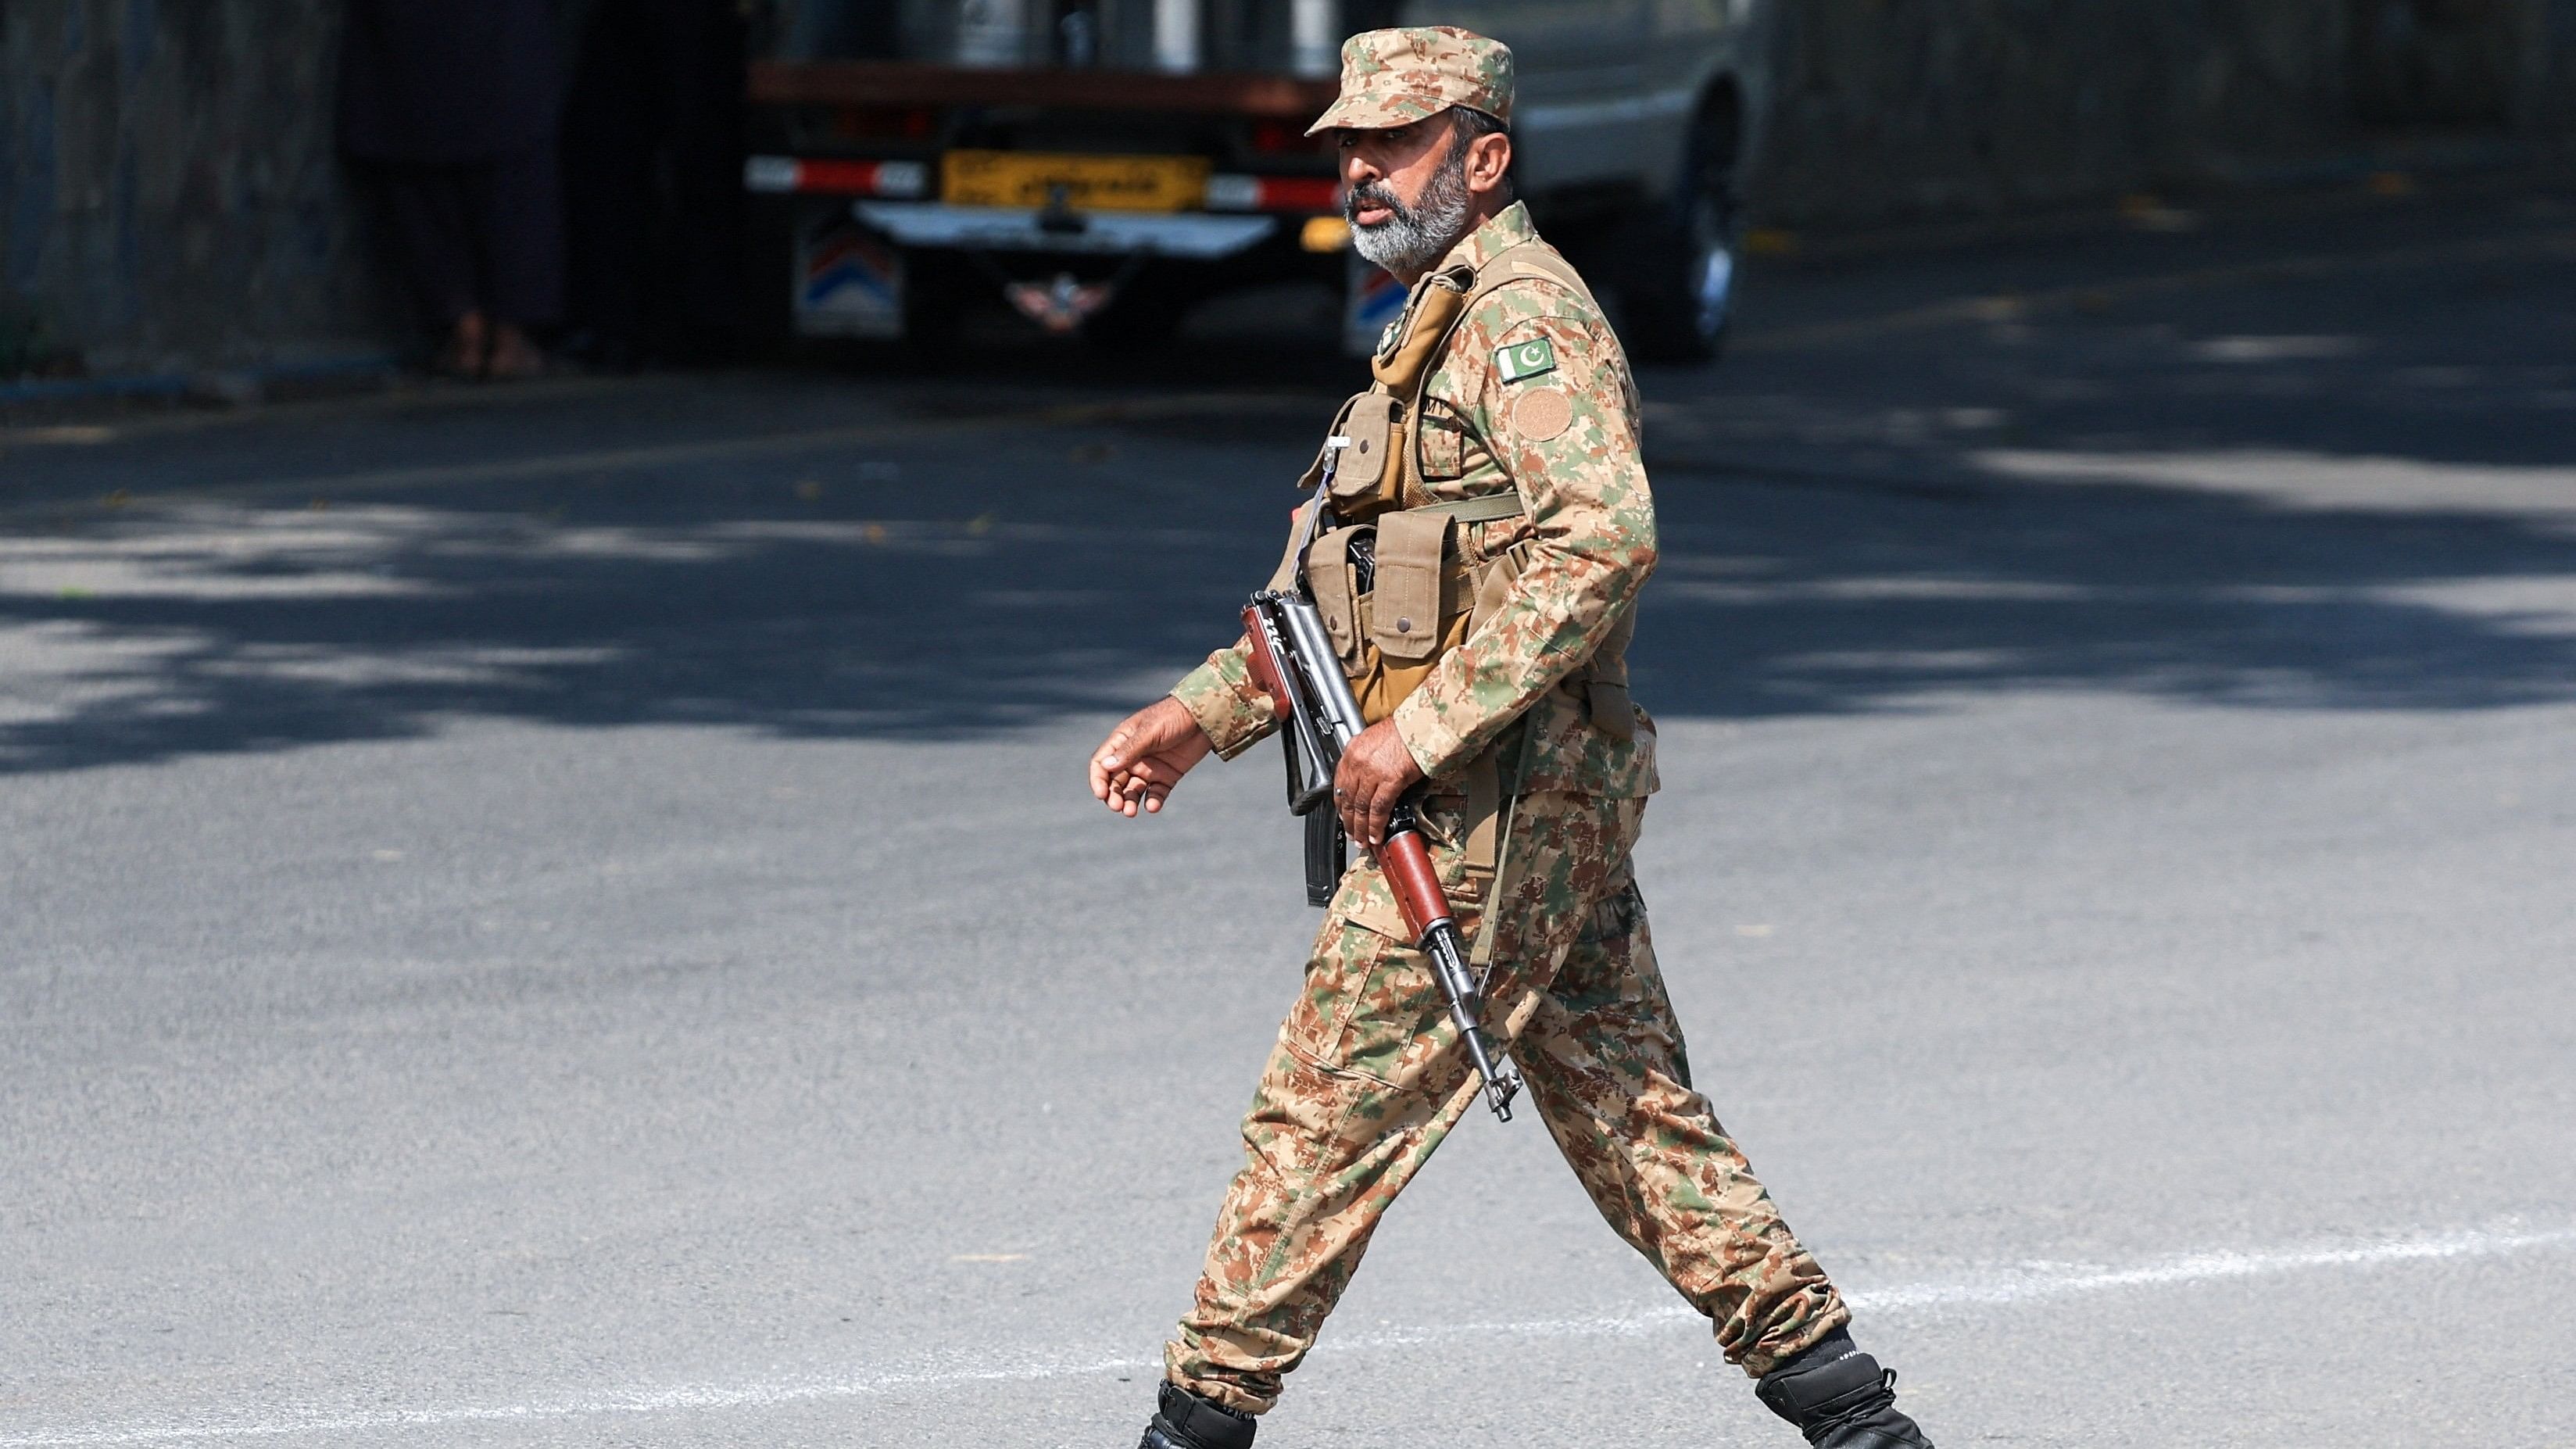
{"type": "Point", "coordinates": [1368, 1077]}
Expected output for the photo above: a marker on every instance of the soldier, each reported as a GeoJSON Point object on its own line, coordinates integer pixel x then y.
{"type": "Point", "coordinates": [1494, 467]}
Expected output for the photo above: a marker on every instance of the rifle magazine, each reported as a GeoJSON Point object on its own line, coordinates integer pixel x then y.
{"type": "Point", "coordinates": [1328, 855]}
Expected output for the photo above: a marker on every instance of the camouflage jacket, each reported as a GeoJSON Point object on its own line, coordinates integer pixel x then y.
{"type": "Point", "coordinates": [1560, 424]}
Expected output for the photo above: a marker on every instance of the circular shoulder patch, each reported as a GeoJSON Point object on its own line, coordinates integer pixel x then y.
{"type": "Point", "coordinates": [1542, 414]}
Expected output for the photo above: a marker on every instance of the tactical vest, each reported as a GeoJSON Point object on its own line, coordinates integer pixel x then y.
{"type": "Point", "coordinates": [1398, 578]}
{"type": "Point", "coordinates": [1401, 580]}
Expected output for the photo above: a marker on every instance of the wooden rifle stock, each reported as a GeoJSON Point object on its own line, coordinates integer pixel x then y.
{"type": "Point", "coordinates": [1265, 665]}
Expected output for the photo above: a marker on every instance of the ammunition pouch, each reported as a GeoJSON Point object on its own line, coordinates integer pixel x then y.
{"type": "Point", "coordinates": [1372, 431]}
{"type": "Point", "coordinates": [1394, 596]}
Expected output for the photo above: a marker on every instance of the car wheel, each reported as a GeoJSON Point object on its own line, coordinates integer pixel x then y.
{"type": "Point", "coordinates": [1678, 271]}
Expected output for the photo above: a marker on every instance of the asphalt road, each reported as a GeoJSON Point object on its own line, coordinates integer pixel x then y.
{"type": "Point", "coordinates": [571, 916]}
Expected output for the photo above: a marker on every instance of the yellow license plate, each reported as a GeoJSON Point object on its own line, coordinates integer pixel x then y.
{"type": "Point", "coordinates": [1087, 183]}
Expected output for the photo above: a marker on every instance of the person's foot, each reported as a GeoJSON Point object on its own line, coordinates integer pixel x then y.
{"type": "Point", "coordinates": [467, 345]}
{"type": "Point", "coordinates": [1840, 1398]}
{"type": "Point", "coordinates": [513, 356]}
{"type": "Point", "coordinates": [1183, 1420]}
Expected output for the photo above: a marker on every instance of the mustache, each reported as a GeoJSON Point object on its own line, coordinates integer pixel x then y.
{"type": "Point", "coordinates": [1373, 193]}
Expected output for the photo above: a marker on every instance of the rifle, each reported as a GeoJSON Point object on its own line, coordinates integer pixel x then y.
{"type": "Point", "coordinates": [1294, 662]}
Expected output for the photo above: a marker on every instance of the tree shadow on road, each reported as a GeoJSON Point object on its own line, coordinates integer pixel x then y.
{"type": "Point", "coordinates": [1821, 579]}
{"type": "Point", "coordinates": [1833, 595]}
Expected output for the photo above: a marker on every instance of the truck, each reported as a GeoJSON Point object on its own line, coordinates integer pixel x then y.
{"type": "Point", "coordinates": [1103, 166]}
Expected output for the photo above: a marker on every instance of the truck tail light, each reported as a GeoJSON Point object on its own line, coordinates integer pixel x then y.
{"type": "Point", "coordinates": [1273, 193]}
{"type": "Point", "coordinates": [791, 175]}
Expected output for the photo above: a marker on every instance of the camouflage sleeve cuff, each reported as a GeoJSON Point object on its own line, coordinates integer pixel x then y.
{"type": "Point", "coordinates": [1221, 696]}
{"type": "Point", "coordinates": [1436, 747]}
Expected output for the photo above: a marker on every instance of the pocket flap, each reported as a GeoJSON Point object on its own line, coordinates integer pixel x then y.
{"type": "Point", "coordinates": [1314, 473]}
{"type": "Point", "coordinates": [1405, 613]}
{"type": "Point", "coordinates": [1370, 423]}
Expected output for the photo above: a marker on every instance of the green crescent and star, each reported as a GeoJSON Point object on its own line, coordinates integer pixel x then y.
{"type": "Point", "coordinates": [1521, 361]}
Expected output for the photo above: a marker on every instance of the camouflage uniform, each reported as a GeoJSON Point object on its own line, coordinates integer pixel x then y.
{"type": "Point", "coordinates": [1367, 1076]}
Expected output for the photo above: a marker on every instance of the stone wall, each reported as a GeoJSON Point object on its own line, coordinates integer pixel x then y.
{"type": "Point", "coordinates": [1889, 108]}
{"type": "Point", "coordinates": [170, 196]}
{"type": "Point", "coordinates": [169, 191]}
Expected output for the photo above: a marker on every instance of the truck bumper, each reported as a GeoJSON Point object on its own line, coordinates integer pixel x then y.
{"type": "Point", "coordinates": [1192, 236]}
{"type": "Point", "coordinates": [892, 269]}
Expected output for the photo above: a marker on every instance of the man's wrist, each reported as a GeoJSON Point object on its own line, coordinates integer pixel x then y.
{"type": "Point", "coordinates": [1223, 715]}
{"type": "Point", "coordinates": [1207, 736]}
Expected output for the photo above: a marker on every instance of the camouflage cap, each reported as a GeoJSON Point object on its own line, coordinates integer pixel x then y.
{"type": "Point", "coordinates": [1397, 77]}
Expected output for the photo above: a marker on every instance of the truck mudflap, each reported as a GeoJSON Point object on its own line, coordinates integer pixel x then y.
{"type": "Point", "coordinates": [849, 282]}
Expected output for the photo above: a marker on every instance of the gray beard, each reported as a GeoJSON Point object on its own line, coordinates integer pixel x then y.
{"type": "Point", "coordinates": [1414, 239]}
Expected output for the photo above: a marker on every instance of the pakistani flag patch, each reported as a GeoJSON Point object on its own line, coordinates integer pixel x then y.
{"type": "Point", "coordinates": [1524, 360]}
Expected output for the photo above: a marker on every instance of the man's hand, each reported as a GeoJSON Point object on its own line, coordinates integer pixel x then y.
{"type": "Point", "coordinates": [1149, 752]}
{"type": "Point", "coordinates": [1376, 771]}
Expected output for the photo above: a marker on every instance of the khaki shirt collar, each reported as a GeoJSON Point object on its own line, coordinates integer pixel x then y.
{"type": "Point", "coordinates": [1501, 232]}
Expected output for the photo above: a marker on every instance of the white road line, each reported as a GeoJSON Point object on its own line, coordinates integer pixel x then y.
{"type": "Point", "coordinates": [2027, 1283]}
{"type": "Point", "coordinates": [2065, 1280]}
{"type": "Point", "coordinates": [2000, 1286]}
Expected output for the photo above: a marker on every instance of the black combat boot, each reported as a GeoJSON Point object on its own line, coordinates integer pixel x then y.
{"type": "Point", "coordinates": [1840, 1398]}
{"type": "Point", "coordinates": [1186, 1421]}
